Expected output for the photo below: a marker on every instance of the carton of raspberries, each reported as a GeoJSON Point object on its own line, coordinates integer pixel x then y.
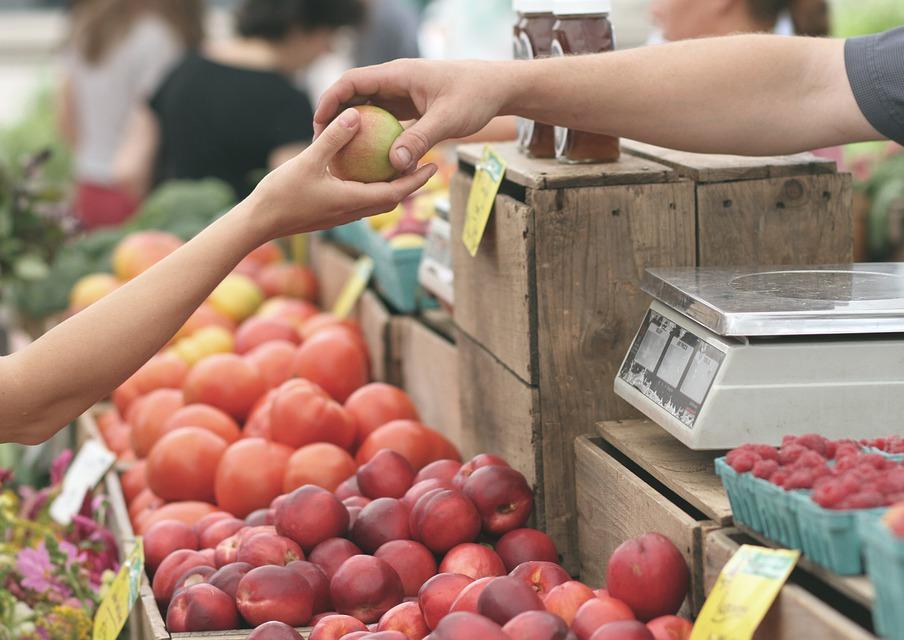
{"type": "Point", "coordinates": [842, 474]}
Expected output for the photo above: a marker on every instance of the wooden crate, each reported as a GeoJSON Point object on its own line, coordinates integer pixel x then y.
{"type": "Point", "coordinates": [618, 499]}
{"type": "Point", "coordinates": [548, 307]}
{"type": "Point", "coordinates": [805, 608]}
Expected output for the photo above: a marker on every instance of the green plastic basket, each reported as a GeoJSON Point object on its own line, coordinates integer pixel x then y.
{"type": "Point", "coordinates": [884, 555]}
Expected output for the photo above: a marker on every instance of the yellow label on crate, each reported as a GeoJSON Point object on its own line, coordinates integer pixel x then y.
{"type": "Point", "coordinates": [115, 607]}
{"type": "Point", "coordinates": [741, 597]}
{"type": "Point", "coordinates": [354, 287]}
{"type": "Point", "coordinates": [487, 179]}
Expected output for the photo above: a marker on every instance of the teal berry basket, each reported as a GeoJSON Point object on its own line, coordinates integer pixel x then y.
{"type": "Point", "coordinates": [396, 275]}
{"type": "Point", "coordinates": [741, 495]}
{"type": "Point", "coordinates": [884, 556]}
{"type": "Point", "coordinates": [831, 537]}
{"type": "Point", "coordinates": [354, 235]}
{"type": "Point", "coordinates": [779, 515]}
{"type": "Point", "coordinates": [896, 457]}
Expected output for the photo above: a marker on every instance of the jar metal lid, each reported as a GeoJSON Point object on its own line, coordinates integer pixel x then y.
{"type": "Point", "coordinates": [581, 7]}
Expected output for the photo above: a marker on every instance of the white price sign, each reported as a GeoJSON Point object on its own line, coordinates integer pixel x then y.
{"type": "Point", "coordinates": [86, 470]}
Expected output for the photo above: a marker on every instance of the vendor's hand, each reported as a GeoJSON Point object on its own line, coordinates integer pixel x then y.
{"type": "Point", "coordinates": [448, 99]}
{"type": "Point", "coordinates": [301, 195]}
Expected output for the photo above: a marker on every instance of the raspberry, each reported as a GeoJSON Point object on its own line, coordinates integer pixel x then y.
{"type": "Point", "coordinates": [810, 459]}
{"type": "Point", "coordinates": [865, 500]}
{"type": "Point", "coordinates": [765, 468]}
{"type": "Point", "coordinates": [765, 451]}
{"type": "Point", "coordinates": [875, 460]}
{"type": "Point", "coordinates": [799, 479]}
{"type": "Point", "coordinates": [744, 461]}
{"type": "Point", "coordinates": [829, 494]}
{"type": "Point", "coordinates": [846, 450]}
{"type": "Point", "coordinates": [892, 481]}
{"type": "Point", "coordinates": [779, 477]}
{"type": "Point", "coordinates": [790, 453]}
{"type": "Point", "coordinates": [814, 442]}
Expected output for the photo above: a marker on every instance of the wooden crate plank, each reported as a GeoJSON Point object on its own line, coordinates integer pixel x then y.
{"type": "Point", "coordinates": [710, 167]}
{"type": "Point", "coordinates": [333, 268]}
{"type": "Point", "coordinates": [498, 412]}
{"type": "Point", "coordinates": [154, 628]}
{"type": "Point", "coordinates": [492, 290]}
{"type": "Point", "coordinates": [592, 248]}
{"type": "Point", "coordinates": [690, 474]}
{"type": "Point", "coordinates": [796, 612]}
{"type": "Point", "coordinates": [614, 505]}
{"type": "Point", "coordinates": [374, 318]}
{"type": "Point", "coordinates": [429, 374]}
{"type": "Point", "coordinates": [780, 221]}
{"type": "Point", "coordinates": [549, 174]}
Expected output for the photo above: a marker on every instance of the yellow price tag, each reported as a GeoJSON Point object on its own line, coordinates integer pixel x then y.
{"type": "Point", "coordinates": [487, 179]}
{"type": "Point", "coordinates": [354, 287]}
{"type": "Point", "coordinates": [115, 607]}
{"type": "Point", "coordinates": [741, 597]}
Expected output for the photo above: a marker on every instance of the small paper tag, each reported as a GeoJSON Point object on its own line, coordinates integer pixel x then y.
{"type": "Point", "coordinates": [741, 597]}
{"type": "Point", "coordinates": [114, 609]}
{"type": "Point", "coordinates": [487, 179]}
{"type": "Point", "coordinates": [354, 287]}
{"type": "Point", "coordinates": [86, 470]}
{"type": "Point", "coordinates": [435, 272]}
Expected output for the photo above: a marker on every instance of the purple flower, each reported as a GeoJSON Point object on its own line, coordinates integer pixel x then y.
{"type": "Point", "coordinates": [59, 466]}
{"type": "Point", "coordinates": [6, 475]}
{"type": "Point", "coordinates": [35, 568]}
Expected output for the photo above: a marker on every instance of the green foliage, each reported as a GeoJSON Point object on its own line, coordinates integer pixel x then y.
{"type": "Point", "coordinates": [37, 131]}
{"type": "Point", "coordinates": [861, 17]}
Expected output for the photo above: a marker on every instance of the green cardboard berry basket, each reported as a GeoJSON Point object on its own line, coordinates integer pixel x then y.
{"type": "Point", "coordinates": [760, 505]}
{"type": "Point", "coordinates": [741, 495]}
{"type": "Point", "coordinates": [884, 555]}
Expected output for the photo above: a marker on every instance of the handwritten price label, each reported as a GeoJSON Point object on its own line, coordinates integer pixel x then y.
{"type": "Point", "coordinates": [487, 179]}
{"type": "Point", "coordinates": [86, 470]}
{"type": "Point", "coordinates": [741, 597]}
{"type": "Point", "coordinates": [115, 607]}
{"type": "Point", "coordinates": [354, 287]}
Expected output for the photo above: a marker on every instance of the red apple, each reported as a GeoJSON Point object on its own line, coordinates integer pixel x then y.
{"type": "Point", "coordinates": [164, 537]}
{"type": "Point", "coordinates": [444, 518]}
{"type": "Point", "coordinates": [502, 497]}
{"type": "Point", "coordinates": [623, 630]}
{"type": "Point", "coordinates": [411, 560]}
{"type": "Point", "coordinates": [268, 548]}
{"type": "Point", "coordinates": [597, 612]}
{"type": "Point", "coordinates": [387, 475]}
{"type": "Point", "coordinates": [274, 630]}
{"type": "Point", "coordinates": [468, 626]}
{"type": "Point", "coordinates": [381, 521]}
{"type": "Point", "coordinates": [437, 595]}
{"type": "Point", "coordinates": [467, 599]}
{"type": "Point", "coordinates": [525, 545]}
{"type": "Point", "coordinates": [275, 593]}
{"type": "Point", "coordinates": [309, 515]}
{"type": "Point", "coordinates": [536, 625]}
{"type": "Point", "coordinates": [565, 599]}
{"type": "Point", "coordinates": [171, 569]}
{"type": "Point", "coordinates": [336, 626]}
{"type": "Point", "coordinates": [504, 598]}
{"type": "Point", "coordinates": [542, 576]}
{"type": "Point", "coordinates": [227, 578]}
{"type": "Point", "coordinates": [472, 560]}
{"type": "Point", "coordinates": [330, 554]}
{"type": "Point", "coordinates": [201, 607]}
{"type": "Point", "coordinates": [648, 574]}
{"type": "Point", "coordinates": [670, 628]}
{"type": "Point", "coordinates": [365, 587]}
{"type": "Point", "coordinates": [407, 619]}
{"type": "Point", "coordinates": [475, 463]}
{"type": "Point", "coordinates": [444, 470]}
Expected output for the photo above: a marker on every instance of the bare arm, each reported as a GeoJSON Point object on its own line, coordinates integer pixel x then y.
{"type": "Point", "coordinates": [65, 112]}
{"type": "Point", "coordinates": [747, 94]}
{"type": "Point", "coordinates": [49, 383]}
{"type": "Point", "coordinates": [133, 166]}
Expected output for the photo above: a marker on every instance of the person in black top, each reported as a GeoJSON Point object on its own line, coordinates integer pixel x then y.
{"type": "Point", "coordinates": [231, 110]}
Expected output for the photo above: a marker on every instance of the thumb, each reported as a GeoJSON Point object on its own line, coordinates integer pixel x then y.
{"type": "Point", "coordinates": [335, 136]}
{"type": "Point", "coordinates": [418, 139]}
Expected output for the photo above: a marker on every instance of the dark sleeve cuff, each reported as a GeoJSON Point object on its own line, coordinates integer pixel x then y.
{"type": "Point", "coordinates": [875, 69]}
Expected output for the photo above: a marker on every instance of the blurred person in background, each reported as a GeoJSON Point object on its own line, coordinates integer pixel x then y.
{"type": "Point", "coordinates": [230, 111]}
{"type": "Point", "coordinates": [389, 32]}
{"type": "Point", "coordinates": [116, 55]}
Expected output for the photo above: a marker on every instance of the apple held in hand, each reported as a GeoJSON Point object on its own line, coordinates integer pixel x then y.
{"type": "Point", "coordinates": [366, 157]}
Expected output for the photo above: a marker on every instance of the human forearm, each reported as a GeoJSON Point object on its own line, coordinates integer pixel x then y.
{"type": "Point", "coordinates": [750, 94]}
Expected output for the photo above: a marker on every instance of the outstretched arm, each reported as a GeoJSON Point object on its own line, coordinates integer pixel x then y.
{"type": "Point", "coordinates": [50, 382]}
{"type": "Point", "coordinates": [746, 94]}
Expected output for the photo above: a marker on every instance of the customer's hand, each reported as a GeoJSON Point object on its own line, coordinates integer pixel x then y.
{"type": "Point", "coordinates": [448, 99]}
{"type": "Point", "coordinates": [301, 195]}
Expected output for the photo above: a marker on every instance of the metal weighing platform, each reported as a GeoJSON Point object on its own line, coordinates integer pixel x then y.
{"type": "Point", "coordinates": [728, 356]}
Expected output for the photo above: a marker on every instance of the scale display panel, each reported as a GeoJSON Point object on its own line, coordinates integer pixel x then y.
{"type": "Point", "coordinates": [672, 367]}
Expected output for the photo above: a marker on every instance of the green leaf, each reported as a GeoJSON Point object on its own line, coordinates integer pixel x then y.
{"type": "Point", "coordinates": [31, 267]}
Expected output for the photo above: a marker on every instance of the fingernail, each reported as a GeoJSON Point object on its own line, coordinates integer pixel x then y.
{"type": "Point", "coordinates": [349, 118]}
{"type": "Point", "coordinates": [403, 156]}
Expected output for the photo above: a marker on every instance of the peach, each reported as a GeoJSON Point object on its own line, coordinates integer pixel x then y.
{"type": "Point", "coordinates": [201, 607]}
{"type": "Point", "coordinates": [536, 625]}
{"type": "Point", "coordinates": [330, 554]}
{"type": "Point", "coordinates": [298, 312]}
{"type": "Point", "coordinates": [149, 414]}
{"type": "Point", "coordinates": [357, 635]}
{"type": "Point", "coordinates": [227, 551]}
{"type": "Point", "coordinates": [383, 635]}
{"type": "Point", "coordinates": [187, 511]}
{"type": "Point", "coordinates": [422, 488]}
{"type": "Point", "coordinates": [353, 513]}
{"type": "Point", "coordinates": [274, 593]}
{"type": "Point", "coordinates": [524, 545]}
{"type": "Point", "coordinates": [467, 599]}
{"type": "Point", "coordinates": [357, 501]}
{"type": "Point", "coordinates": [623, 630]}
{"type": "Point", "coordinates": [163, 538]}
{"type": "Point", "coordinates": [209, 555]}
{"type": "Point", "coordinates": [386, 475]}
{"type": "Point", "coordinates": [504, 598]}
{"type": "Point", "coordinates": [134, 480]}
{"type": "Point", "coordinates": [266, 548]}
{"type": "Point", "coordinates": [366, 157]}
{"type": "Point", "coordinates": [260, 517]}
{"type": "Point", "coordinates": [472, 465]}
{"type": "Point", "coordinates": [267, 253]}
{"type": "Point", "coordinates": [407, 619]}
{"type": "Point", "coordinates": [648, 574]}
{"type": "Point", "coordinates": [670, 628]}
{"type": "Point", "coordinates": [323, 464]}
{"type": "Point", "coordinates": [365, 587]}
{"type": "Point", "coordinates": [320, 616]}
{"type": "Point", "coordinates": [309, 515]}
{"type": "Point", "coordinates": [565, 599]}
{"type": "Point", "coordinates": [250, 475]}
{"type": "Point", "coordinates": [227, 577]}
{"type": "Point", "coordinates": [203, 317]}
{"type": "Point", "coordinates": [335, 362]}
{"type": "Point", "coordinates": [502, 497]}
{"type": "Point", "coordinates": [541, 576]}
{"type": "Point", "coordinates": [302, 414]}
{"type": "Point", "coordinates": [201, 525]}
{"type": "Point", "coordinates": [375, 404]}
{"type": "Point", "coordinates": [91, 288]}
{"type": "Point", "coordinates": [440, 470]}
{"type": "Point", "coordinates": [182, 464]}
{"type": "Point", "coordinates": [274, 630]}
{"type": "Point", "coordinates": [381, 521]}
{"type": "Point", "coordinates": [436, 596]}
{"type": "Point", "coordinates": [171, 569]}
{"type": "Point", "coordinates": [205, 417]}
{"type": "Point", "coordinates": [289, 280]}
{"type": "Point", "coordinates": [443, 519]}
{"type": "Point", "coordinates": [195, 575]}
{"type": "Point", "coordinates": [226, 381]}
{"type": "Point", "coordinates": [466, 626]}
{"type": "Point", "coordinates": [139, 251]}
{"type": "Point", "coordinates": [336, 626]}
{"type": "Point", "coordinates": [597, 612]}
{"type": "Point", "coordinates": [348, 488]}
{"type": "Point", "coordinates": [411, 560]}
{"type": "Point", "coordinates": [256, 331]}
{"type": "Point", "coordinates": [472, 560]}
{"type": "Point", "coordinates": [273, 360]}
{"type": "Point", "coordinates": [320, 584]}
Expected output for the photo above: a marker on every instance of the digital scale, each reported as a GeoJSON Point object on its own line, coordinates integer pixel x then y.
{"type": "Point", "coordinates": [729, 356]}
